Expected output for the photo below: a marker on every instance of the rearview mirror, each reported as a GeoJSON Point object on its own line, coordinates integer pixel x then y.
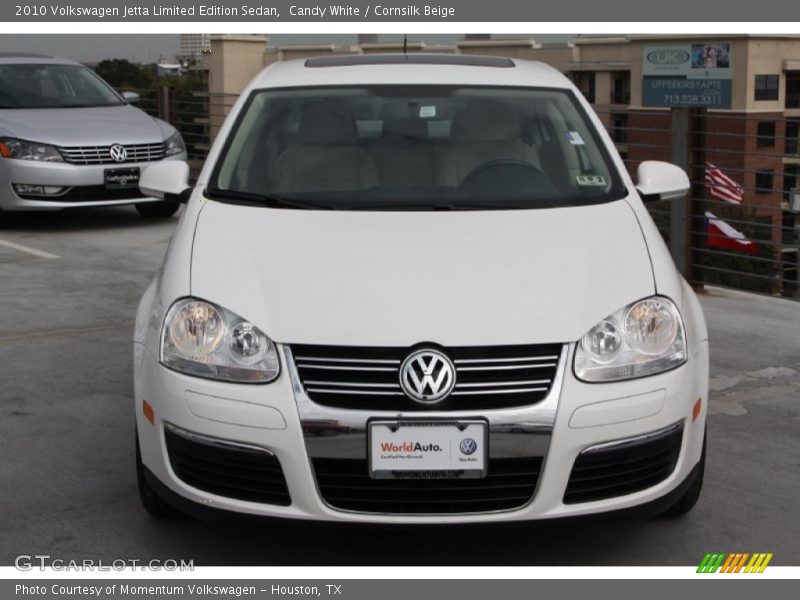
{"type": "Point", "coordinates": [130, 97]}
{"type": "Point", "coordinates": [658, 180]}
{"type": "Point", "coordinates": [168, 180]}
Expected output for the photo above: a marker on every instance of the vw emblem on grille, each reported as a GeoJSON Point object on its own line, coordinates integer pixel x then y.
{"type": "Point", "coordinates": [427, 376]}
{"type": "Point", "coordinates": [118, 153]}
{"type": "Point", "coordinates": [468, 446]}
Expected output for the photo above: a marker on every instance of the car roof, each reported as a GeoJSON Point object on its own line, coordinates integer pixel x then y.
{"type": "Point", "coordinates": [410, 69]}
{"type": "Point", "coordinates": [27, 58]}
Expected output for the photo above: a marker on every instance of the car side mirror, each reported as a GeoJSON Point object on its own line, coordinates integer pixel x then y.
{"type": "Point", "coordinates": [130, 97]}
{"type": "Point", "coordinates": [658, 180]}
{"type": "Point", "coordinates": [168, 180]}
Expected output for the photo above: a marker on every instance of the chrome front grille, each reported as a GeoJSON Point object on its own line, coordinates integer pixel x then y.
{"type": "Point", "coordinates": [368, 378]}
{"type": "Point", "coordinates": [101, 155]}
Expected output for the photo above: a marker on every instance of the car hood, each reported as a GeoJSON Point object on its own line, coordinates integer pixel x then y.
{"type": "Point", "coordinates": [400, 278]}
{"type": "Point", "coordinates": [104, 125]}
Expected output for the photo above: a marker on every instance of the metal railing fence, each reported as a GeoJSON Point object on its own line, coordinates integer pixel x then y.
{"type": "Point", "coordinates": [766, 170]}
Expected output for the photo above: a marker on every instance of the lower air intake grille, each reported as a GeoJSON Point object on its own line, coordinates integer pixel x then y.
{"type": "Point", "coordinates": [231, 471]}
{"type": "Point", "coordinates": [346, 484]}
{"type": "Point", "coordinates": [625, 468]}
{"type": "Point", "coordinates": [88, 193]}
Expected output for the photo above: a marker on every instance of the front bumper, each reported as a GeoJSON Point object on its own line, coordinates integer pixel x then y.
{"type": "Point", "coordinates": [66, 176]}
{"type": "Point", "coordinates": [575, 417]}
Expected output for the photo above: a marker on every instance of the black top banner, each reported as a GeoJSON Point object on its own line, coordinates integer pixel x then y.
{"type": "Point", "coordinates": [487, 11]}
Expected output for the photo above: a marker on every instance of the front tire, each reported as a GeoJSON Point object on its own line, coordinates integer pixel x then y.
{"type": "Point", "coordinates": [686, 502]}
{"type": "Point", "coordinates": [152, 502]}
{"type": "Point", "coordinates": [157, 210]}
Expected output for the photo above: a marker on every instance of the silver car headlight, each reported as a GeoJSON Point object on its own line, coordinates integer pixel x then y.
{"type": "Point", "coordinates": [174, 145]}
{"type": "Point", "coordinates": [25, 150]}
{"type": "Point", "coordinates": [644, 338]}
{"type": "Point", "coordinates": [201, 339]}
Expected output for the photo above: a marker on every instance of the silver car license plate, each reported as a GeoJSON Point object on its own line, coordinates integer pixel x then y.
{"type": "Point", "coordinates": [117, 179]}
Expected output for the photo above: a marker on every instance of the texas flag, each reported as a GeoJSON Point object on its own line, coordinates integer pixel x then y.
{"type": "Point", "coordinates": [722, 236]}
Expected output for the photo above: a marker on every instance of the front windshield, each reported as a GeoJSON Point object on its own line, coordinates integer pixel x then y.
{"type": "Point", "coordinates": [414, 148]}
{"type": "Point", "coordinates": [53, 86]}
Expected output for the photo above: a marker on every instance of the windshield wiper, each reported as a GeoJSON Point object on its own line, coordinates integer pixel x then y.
{"type": "Point", "coordinates": [434, 206]}
{"type": "Point", "coordinates": [83, 105]}
{"type": "Point", "coordinates": [269, 200]}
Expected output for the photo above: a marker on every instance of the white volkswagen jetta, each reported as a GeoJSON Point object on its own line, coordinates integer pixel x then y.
{"type": "Point", "coordinates": [418, 289]}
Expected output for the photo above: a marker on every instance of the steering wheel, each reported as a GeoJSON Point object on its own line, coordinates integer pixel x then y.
{"type": "Point", "coordinates": [496, 174]}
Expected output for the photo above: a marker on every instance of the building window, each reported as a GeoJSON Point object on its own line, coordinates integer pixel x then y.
{"type": "Point", "coordinates": [767, 87]}
{"type": "Point", "coordinates": [792, 136]}
{"type": "Point", "coordinates": [793, 89]}
{"type": "Point", "coordinates": [766, 134]}
{"type": "Point", "coordinates": [764, 181]}
{"type": "Point", "coordinates": [622, 88]}
{"type": "Point", "coordinates": [791, 179]}
{"type": "Point", "coordinates": [585, 82]}
{"type": "Point", "coordinates": [619, 128]}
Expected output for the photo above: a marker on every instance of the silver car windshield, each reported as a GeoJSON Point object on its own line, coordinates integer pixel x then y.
{"type": "Point", "coordinates": [53, 86]}
{"type": "Point", "coordinates": [414, 148]}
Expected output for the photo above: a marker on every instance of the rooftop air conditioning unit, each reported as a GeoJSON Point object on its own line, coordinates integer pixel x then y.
{"type": "Point", "coordinates": [794, 200]}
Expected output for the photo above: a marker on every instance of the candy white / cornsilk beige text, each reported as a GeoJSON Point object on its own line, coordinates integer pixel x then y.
{"type": "Point", "coordinates": [379, 10]}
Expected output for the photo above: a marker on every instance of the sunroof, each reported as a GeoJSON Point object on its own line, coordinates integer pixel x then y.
{"type": "Point", "coordinates": [409, 59]}
{"type": "Point", "coordinates": [23, 55]}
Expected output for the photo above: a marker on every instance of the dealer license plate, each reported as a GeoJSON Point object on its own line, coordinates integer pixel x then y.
{"type": "Point", "coordinates": [118, 179]}
{"type": "Point", "coordinates": [427, 449]}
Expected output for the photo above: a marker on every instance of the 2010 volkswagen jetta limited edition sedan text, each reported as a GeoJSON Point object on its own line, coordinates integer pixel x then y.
{"type": "Point", "coordinates": [67, 139]}
{"type": "Point", "coordinates": [418, 289]}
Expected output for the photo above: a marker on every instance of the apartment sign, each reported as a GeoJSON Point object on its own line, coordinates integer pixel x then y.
{"type": "Point", "coordinates": [693, 75]}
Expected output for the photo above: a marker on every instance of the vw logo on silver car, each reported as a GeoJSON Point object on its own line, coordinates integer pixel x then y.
{"type": "Point", "coordinates": [427, 376]}
{"type": "Point", "coordinates": [118, 153]}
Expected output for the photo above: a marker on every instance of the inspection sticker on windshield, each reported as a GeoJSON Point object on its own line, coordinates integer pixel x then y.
{"type": "Point", "coordinates": [427, 112]}
{"type": "Point", "coordinates": [574, 138]}
{"type": "Point", "coordinates": [590, 180]}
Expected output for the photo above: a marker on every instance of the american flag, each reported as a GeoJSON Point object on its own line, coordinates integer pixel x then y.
{"type": "Point", "coordinates": [722, 187]}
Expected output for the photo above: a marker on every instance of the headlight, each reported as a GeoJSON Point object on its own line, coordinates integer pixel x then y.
{"type": "Point", "coordinates": [201, 339]}
{"type": "Point", "coordinates": [174, 145]}
{"type": "Point", "coordinates": [644, 338]}
{"type": "Point", "coordinates": [23, 150]}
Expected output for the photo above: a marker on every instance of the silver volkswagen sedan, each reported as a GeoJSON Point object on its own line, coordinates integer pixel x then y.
{"type": "Point", "coordinates": [68, 139]}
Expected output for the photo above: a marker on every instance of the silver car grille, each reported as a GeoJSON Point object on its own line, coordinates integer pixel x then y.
{"type": "Point", "coordinates": [101, 155]}
{"type": "Point", "coordinates": [368, 378]}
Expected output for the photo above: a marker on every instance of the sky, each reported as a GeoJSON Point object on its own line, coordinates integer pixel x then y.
{"type": "Point", "coordinates": [150, 47]}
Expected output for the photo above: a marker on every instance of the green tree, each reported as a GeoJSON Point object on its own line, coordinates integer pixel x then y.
{"type": "Point", "coordinates": [121, 73]}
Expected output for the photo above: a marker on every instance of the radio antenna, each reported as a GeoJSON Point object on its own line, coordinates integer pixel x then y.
{"type": "Point", "coordinates": [405, 43]}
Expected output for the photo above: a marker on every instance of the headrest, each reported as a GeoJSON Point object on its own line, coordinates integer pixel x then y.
{"type": "Point", "coordinates": [486, 121]}
{"type": "Point", "coordinates": [327, 123]}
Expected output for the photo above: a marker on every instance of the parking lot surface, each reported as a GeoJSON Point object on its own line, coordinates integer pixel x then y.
{"type": "Point", "coordinates": [70, 285]}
